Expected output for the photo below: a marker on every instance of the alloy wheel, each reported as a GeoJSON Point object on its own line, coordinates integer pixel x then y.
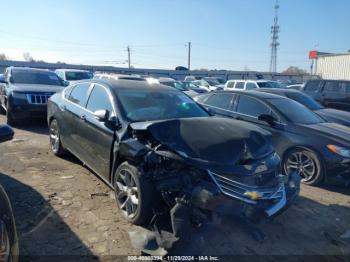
{"type": "Point", "coordinates": [127, 194]}
{"type": "Point", "coordinates": [54, 136]}
{"type": "Point", "coordinates": [303, 164]}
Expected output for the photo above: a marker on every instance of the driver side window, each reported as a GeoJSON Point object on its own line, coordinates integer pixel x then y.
{"type": "Point", "coordinates": [99, 100]}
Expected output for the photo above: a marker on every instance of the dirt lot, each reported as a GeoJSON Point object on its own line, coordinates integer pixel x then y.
{"type": "Point", "coordinates": [56, 215]}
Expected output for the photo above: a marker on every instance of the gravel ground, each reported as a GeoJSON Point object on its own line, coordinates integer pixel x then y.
{"type": "Point", "coordinates": [56, 214]}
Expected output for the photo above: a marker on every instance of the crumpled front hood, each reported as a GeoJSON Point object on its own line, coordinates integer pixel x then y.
{"type": "Point", "coordinates": [36, 88]}
{"type": "Point", "coordinates": [211, 142]}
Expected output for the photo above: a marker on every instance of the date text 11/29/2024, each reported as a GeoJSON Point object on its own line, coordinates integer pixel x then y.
{"type": "Point", "coordinates": [173, 258]}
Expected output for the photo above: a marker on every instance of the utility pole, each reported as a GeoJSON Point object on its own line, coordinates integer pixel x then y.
{"type": "Point", "coordinates": [129, 62]}
{"type": "Point", "coordinates": [189, 56]}
{"type": "Point", "coordinates": [275, 29]}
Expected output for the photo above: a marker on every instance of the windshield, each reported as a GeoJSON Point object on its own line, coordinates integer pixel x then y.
{"type": "Point", "coordinates": [35, 77]}
{"type": "Point", "coordinates": [294, 111]}
{"type": "Point", "coordinates": [305, 100]}
{"type": "Point", "coordinates": [175, 84]}
{"type": "Point", "coordinates": [268, 84]}
{"type": "Point", "coordinates": [147, 105]}
{"type": "Point", "coordinates": [74, 76]}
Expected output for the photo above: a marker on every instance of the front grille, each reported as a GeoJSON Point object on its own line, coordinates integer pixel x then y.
{"type": "Point", "coordinates": [38, 99]}
{"type": "Point", "coordinates": [236, 189]}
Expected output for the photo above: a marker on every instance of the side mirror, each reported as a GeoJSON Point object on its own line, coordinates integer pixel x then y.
{"type": "Point", "coordinates": [65, 83]}
{"type": "Point", "coordinates": [6, 133]}
{"type": "Point", "coordinates": [211, 111]}
{"type": "Point", "coordinates": [101, 115]}
{"type": "Point", "coordinates": [268, 119]}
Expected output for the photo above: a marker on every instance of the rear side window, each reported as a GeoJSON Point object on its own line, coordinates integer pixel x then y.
{"type": "Point", "coordinates": [333, 86]}
{"type": "Point", "coordinates": [312, 86]}
{"type": "Point", "coordinates": [79, 94]}
{"type": "Point", "coordinates": [250, 86]}
{"type": "Point", "coordinates": [240, 85]}
{"type": "Point", "coordinates": [251, 107]}
{"type": "Point", "coordinates": [230, 84]}
{"type": "Point", "coordinates": [99, 100]}
{"type": "Point", "coordinates": [222, 101]}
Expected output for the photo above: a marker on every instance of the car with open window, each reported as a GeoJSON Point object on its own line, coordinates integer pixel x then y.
{"type": "Point", "coordinates": [317, 150]}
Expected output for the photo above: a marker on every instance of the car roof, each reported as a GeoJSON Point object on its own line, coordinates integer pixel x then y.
{"type": "Point", "coordinates": [252, 80]}
{"type": "Point", "coordinates": [258, 94]}
{"type": "Point", "coordinates": [121, 84]}
{"type": "Point", "coordinates": [30, 69]}
{"type": "Point", "coordinates": [72, 70]}
{"type": "Point", "coordinates": [280, 91]}
{"type": "Point", "coordinates": [166, 79]}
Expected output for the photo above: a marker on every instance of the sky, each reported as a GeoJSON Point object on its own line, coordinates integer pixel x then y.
{"type": "Point", "coordinates": [225, 34]}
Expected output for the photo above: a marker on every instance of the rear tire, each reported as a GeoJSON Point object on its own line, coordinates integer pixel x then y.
{"type": "Point", "coordinates": [136, 197]}
{"type": "Point", "coordinates": [306, 163]}
{"type": "Point", "coordinates": [55, 139]}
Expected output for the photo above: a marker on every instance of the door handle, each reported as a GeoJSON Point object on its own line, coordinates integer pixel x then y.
{"type": "Point", "coordinates": [239, 118]}
{"type": "Point", "coordinates": [63, 108]}
{"type": "Point", "coordinates": [83, 117]}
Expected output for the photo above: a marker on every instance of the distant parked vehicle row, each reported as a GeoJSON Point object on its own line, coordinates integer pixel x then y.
{"type": "Point", "coordinates": [250, 84]}
{"type": "Point", "coordinates": [330, 93]}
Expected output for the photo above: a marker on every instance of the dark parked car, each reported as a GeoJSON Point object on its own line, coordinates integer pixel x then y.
{"type": "Point", "coordinates": [316, 149]}
{"type": "Point", "coordinates": [143, 140]}
{"type": "Point", "coordinates": [330, 93]}
{"type": "Point", "coordinates": [9, 250]}
{"type": "Point", "coordinates": [24, 93]}
{"type": "Point", "coordinates": [194, 87]}
{"type": "Point", "coordinates": [329, 114]}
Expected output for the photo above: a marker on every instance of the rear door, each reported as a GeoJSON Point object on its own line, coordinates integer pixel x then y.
{"type": "Point", "coordinates": [96, 137]}
{"type": "Point", "coordinates": [75, 103]}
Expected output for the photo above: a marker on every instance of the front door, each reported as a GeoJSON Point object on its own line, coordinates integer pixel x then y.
{"type": "Point", "coordinates": [96, 137]}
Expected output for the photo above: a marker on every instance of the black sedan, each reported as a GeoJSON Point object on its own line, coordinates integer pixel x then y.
{"type": "Point", "coordinates": [316, 149]}
{"type": "Point", "coordinates": [142, 140]}
{"type": "Point", "coordinates": [9, 250]}
{"type": "Point", "coordinates": [329, 114]}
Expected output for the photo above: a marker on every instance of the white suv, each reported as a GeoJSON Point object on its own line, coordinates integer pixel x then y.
{"type": "Point", "coordinates": [250, 84]}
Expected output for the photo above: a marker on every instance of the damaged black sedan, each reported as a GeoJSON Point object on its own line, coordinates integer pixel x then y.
{"type": "Point", "coordinates": [163, 153]}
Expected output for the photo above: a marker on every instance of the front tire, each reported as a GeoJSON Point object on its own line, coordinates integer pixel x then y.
{"type": "Point", "coordinates": [306, 163]}
{"type": "Point", "coordinates": [55, 139]}
{"type": "Point", "coordinates": [135, 195]}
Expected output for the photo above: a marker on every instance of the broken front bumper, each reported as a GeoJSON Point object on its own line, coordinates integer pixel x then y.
{"type": "Point", "coordinates": [252, 202]}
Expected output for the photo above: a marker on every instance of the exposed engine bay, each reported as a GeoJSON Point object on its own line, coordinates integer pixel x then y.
{"type": "Point", "coordinates": [198, 171]}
